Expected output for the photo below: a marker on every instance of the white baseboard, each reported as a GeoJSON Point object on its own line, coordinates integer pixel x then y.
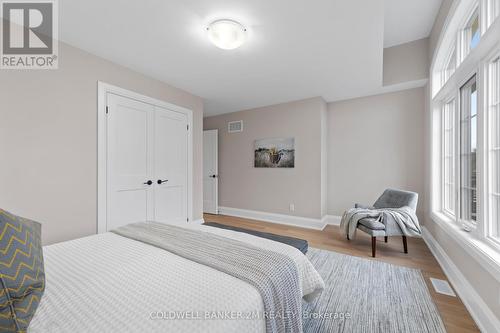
{"type": "Point", "coordinates": [200, 221]}
{"type": "Point", "coordinates": [479, 310]}
{"type": "Point", "coordinates": [333, 220]}
{"type": "Point", "coordinates": [297, 221]}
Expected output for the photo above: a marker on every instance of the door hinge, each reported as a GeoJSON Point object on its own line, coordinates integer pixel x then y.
{"type": "Point", "coordinates": [187, 126]}
{"type": "Point", "coordinates": [107, 109]}
{"type": "Point", "coordinates": [187, 219]}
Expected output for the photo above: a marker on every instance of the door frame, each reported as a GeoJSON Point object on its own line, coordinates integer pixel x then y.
{"type": "Point", "coordinates": [216, 131]}
{"type": "Point", "coordinates": [102, 90]}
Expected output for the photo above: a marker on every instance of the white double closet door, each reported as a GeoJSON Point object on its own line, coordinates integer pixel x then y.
{"type": "Point", "coordinates": [147, 163]}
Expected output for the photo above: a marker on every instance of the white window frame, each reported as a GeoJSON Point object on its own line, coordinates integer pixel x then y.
{"type": "Point", "coordinates": [490, 227]}
{"type": "Point", "coordinates": [468, 225]}
{"type": "Point", "coordinates": [451, 102]}
{"type": "Point", "coordinates": [465, 34]}
{"type": "Point", "coordinates": [491, 11]}
{"type": "Point", "coordinates": [447, 72]}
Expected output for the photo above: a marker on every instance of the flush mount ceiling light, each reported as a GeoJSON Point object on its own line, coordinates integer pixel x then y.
{"type": "Point", "coordinates": [227, 34]}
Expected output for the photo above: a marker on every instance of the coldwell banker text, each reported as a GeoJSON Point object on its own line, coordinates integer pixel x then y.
{"type": "Point", "coordinates": [30, 34]}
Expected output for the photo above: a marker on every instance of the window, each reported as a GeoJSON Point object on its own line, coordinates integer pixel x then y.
{"type": "Point", "coordinates": [448, 121]}
{"type": "Point", "coordinates": [465, 121]}
{"type": "Point", "coordinates": [475, 33]}
{"type": "Point", "coordinates": [494, 147]}
{"type": "Point", "coordinates": [468, 151]}
{"type": "Point", "coordinates": [462, 38]}
{"type": "Point", "coordinates": [471, 35]}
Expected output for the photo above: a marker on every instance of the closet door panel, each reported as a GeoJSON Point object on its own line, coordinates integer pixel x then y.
{"type": "Point", "coordinates": [170, 166]}
{"type": "Point", "coordinates": [129, 128]}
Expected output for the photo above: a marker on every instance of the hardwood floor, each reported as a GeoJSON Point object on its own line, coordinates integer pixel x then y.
{"type": "Point", "coordinates": [454, 314]}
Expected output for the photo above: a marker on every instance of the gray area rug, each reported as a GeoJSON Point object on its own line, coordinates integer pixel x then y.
{"type": "Point", "coordinates": [368, 296]}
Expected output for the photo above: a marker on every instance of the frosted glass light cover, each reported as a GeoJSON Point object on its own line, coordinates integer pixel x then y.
{"type": "Point", "coordinates": [227, 34]}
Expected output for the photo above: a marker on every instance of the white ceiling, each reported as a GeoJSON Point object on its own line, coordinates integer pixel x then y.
{"type": "Point", "coordinates": [408, 20]}
{"type": "Point", "coordinates": [296, 49]}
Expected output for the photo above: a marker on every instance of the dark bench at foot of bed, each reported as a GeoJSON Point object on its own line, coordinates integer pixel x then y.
{"type": "Point", "coordinates": [297, 243]}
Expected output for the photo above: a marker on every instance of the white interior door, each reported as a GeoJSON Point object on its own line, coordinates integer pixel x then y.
{"type": "Point", "coordinates": [210, 172]}
{"type": "Point", "coordinates": [170, 166]}
{"type": "Point", "coordinates": [129, 161]}
{"type": "Point", "coordinates": [144, 159]}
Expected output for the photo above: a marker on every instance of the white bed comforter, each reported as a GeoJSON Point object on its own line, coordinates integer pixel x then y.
{"type": "Point", "coordinates": [108, 283]}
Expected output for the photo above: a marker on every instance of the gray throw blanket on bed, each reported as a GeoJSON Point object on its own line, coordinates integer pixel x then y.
{"type": "Point", "coordinates": [274, 275]}
{"type": "Point", "coordinates": [405, 218]}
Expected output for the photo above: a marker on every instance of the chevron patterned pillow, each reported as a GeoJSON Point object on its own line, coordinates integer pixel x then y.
{"type": "Point", "coordinates": [22, 277]}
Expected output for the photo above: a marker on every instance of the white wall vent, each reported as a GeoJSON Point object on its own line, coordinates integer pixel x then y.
{"type": "Point", "coordinates": [443, 287]}
{"type": "Point", "coordinates": [235, 126]}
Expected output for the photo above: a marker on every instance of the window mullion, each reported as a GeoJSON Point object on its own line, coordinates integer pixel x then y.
{"type": "Point", "coordinates": [493, 149]}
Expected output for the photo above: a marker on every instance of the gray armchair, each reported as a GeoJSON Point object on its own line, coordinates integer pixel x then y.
{"type": "Point", "coordinates": [389, 199]}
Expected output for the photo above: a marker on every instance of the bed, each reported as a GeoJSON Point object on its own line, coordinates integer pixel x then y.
{"type": "Point", "coordinates": [110, 283]}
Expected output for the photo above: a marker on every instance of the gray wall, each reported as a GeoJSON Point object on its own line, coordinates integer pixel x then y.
{"type": "Point", "coordinates": [406, 62]}
{"type": "Point", "coordinates": [48, 140]}
{"type": "Point", "coordinates": [272, 190]}
{"type": "Point", "coordinates": [376, 141]}
{"type": "Point", "coordinates": [373, 143]}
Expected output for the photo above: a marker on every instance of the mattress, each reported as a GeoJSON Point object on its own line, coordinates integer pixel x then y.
{"type": "Point", "coordinates": [109, 283]}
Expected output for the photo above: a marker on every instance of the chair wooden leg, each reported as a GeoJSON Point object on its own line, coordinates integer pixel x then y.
{"type": "Point", "coordinates": [374, 246]}
{"type": "Point", "coordinates": [385, 239]}
{"type": "Point", "coordinates": [405, 244]}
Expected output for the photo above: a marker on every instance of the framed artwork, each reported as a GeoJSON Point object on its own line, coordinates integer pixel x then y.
{"type": "Point", "coordinates": [275, 153]}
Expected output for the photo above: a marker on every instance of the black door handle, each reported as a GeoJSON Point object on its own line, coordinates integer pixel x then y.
{"type": "Point", "coordinates": [162, 181]}
{"type": "Point", "coordinates": [213, 176]}
{"type": "Point", "coordinates": [149, 182]}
